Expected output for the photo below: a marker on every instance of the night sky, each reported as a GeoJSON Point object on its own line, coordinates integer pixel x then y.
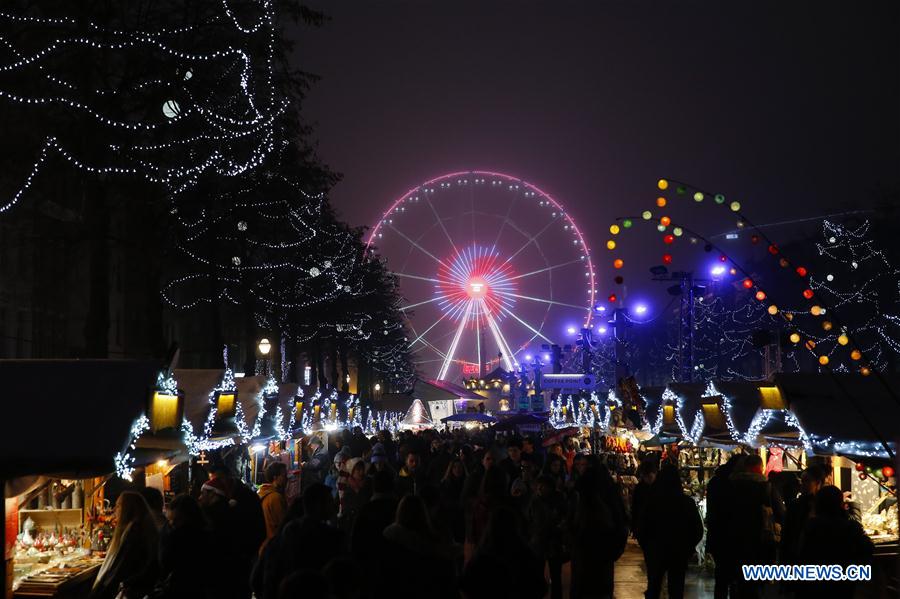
{"type": "Point", "coordinates": [791, 107]}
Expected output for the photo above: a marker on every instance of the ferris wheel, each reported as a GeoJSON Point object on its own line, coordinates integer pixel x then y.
{"type": "Point", "coordinates": [490, 267]}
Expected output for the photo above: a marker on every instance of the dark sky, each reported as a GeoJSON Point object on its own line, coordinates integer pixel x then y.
{"type": "Point", "coordinates": [793, 107]}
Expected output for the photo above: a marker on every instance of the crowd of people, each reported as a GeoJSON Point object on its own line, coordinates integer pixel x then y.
{"type": "Point", "coordinates": [456, 515]}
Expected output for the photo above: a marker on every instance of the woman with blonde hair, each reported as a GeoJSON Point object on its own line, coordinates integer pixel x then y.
{"type": "Point", "coordinates": [131, 565]}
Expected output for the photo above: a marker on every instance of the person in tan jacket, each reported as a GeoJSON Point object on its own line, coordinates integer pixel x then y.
{"type": "Point", "coordinates": [271, 494]}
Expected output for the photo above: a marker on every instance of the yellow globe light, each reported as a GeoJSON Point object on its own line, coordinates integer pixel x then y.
{"type": "Point", "coordinates": [662, 184]}
{"type": "Point", "coordinates": [815, 310]}
{"type": "Point", "coordinates": [795, 338]}
{"type": "Point", "coordinates": [823, 360]}
{"type": "Point", "coordinates": [614, 229]}
{"type": "Point", "coordinates": [735, 206]}
{"type": "Point", "coordinates": [610, 245]}
{"type": "Point", "coordinates": [773, 309]}
{"type": "Point", "coordinates": [646, 215]}
{"type": "Point", "coordinates": [865, 371]}
{"type": "Point", "coordinates": [843, 339]}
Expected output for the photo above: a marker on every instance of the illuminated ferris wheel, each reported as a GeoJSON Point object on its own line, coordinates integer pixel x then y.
{"type": "Point", "coordinates": [490, 268]}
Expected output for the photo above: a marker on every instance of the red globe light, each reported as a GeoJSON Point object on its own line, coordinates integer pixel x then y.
{"type": "Point", "coordinates": [667, 258]}
{"type": "Point", "coordinates": [887, 471]}
{"type": "Point", "coordinates": [669, 238]}
{"type": "Point", "coordinates": [801, 271]}
{"type": "Point", "coordinates": [723, 258]}
{"type": "Point", "coordinates": [773, 249]}
{"type": "Point", "coordinates": [612, 298]}
{"type": "Point", "coordinates": [760, 295]}
{"type": "Point", "coordinates": [859, 467]}
{"type": "Point", "coordinates": [808, 293]}
{"type": "Point", "coordinates": [748, 283]}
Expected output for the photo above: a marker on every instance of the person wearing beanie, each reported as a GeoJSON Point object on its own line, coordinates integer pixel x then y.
{"type": "Point", "coordinates": [314, 469]}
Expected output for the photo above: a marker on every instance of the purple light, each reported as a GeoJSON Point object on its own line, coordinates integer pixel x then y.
{"type": "Point", "coordinates": [528, 357]}
{"type": "Point", "coordinates": [717, 271]}
{"type": "Point", "coordinates": [570, 330]}
{"type": "Point", "coordinates": [600, 308]}
{"type": "Point", "coordinates": [640, 309]}
{"type": "Point", "coordinates": [601, 330]}
{"type": "Point", "coordinates": [546, 356]}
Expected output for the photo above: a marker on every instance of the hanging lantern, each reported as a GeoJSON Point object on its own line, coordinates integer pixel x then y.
{"type": "Point", "coordinates": [808, 293]}
{"type": "Point", "coordinates": [748, 283]}
{"type": "Point", "coordinates": [801, 271]}
{"type": "Point", "coordinates": [760, 295]}
{"type": "Point", "coordinates": [614, 229]}
{"type": "Point", "coordinates": [855, 354]}
{"type": "Point", "coordinates": [662, 184]}
{"type": "Point", "coordinates": [665, 221]}
{"type": "Point", "coordinates": [823, 360]}
{"type": "Point", "coordinates": [843, 339]}
{"type": "Point", "coordinates": [610, 245]}
{"type": "Point", "coordinates": [618, 263]}
{"type": "Point", "coordinates": [795, 338]}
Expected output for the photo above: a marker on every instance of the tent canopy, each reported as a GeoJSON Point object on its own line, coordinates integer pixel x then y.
{"type": "Point", "coordinates": [69, 416]}
{"type": "Point", "coordinates": [470, 417]}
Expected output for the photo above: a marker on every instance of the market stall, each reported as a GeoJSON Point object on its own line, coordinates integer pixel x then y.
{"type": "Point", "coordinates": [73, 418]}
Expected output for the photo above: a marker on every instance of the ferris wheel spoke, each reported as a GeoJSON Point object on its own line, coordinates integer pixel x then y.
{"type": "Point", "coordinates": [545, 269]}
{"type": "Point", "coordinates": [428, 301]}
{"type": "Point", "coordinates": [508, 358]}
{"type": "Point", "coordinates": [525, 324]}
{"type": "Point", "coordinates": [441, 223]}
{"type": "Point", "coordinates": [539, 299]}
{"type": "Point", "coordinates": [416, 245]}
{"type": "Point", "coordinates": [448, 359]}
{"type": "Point", "coordinates": [534, 237]}
{"type": "Point", "coordinates": [434, 324]}
{"type": "Point", "coordinates": [408, 276]}
{"type": "Point", "coordinates": [515, 198]}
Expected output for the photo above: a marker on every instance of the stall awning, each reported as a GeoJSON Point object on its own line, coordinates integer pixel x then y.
{"type": "Point", "coordinates": [69, 417]}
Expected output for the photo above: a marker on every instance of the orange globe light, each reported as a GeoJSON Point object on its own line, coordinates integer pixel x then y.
{"type": "Point", "coordinates": [810, 344]}
{"type": "Point", "coordinates": [823, 360]}
{"type": "Point", "coordinates": [618, 263]}
{"type": "Point", "coordinates": [827, 325]}
{"type": "Point", "coordinates": [667, 258]}
{"type": "Point", "coordinates": [773, 309]}
{"type": "Point", "coordinates": [662, 184]}
{"type": "Point", "coordinates": [856, 354]}
{"type": "Point", "coordinates": [815, 310]}
{"type": "Point", "coordinates": [665, 221]}
{"type": "Point", "coordinates": [748, 283]}
{"type": "Point", "coordinates": [808, 293]}
{"type": "Point", "coordinates": [760, 295]}
{"type": "Point", "coordinates": [865, 371]}
{"type": "Point", "coordinates": [661, 201]}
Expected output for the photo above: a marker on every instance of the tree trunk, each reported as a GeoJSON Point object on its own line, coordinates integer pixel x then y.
{"type": "Point", "coordinates": [249, 342]}
{"type": "Point", "coordinates": [345, 370]}
{"type": "Point", "coordinates": [333, 358]}
{"type": "Point", "coordinates": [96, 324]}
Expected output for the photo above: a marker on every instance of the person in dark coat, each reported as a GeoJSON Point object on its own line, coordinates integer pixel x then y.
{"type": "Point", "coordinates": [367, 543]}
{"type": "Point", "coordinates": [668, 531]}
{"type": "Point", "coordinates": [752, 517]}
{"type": "Point", "coordinates": [799, 511]}
{"type": "Point", "coordinates": [222, 519]}
{"type": "Point", "coordinates": [832, 537]}
{"type": "Point", "coordinates": [512, 463]}
{"type": "Point", "coordinates": [547, 526]}
{"type": "Point", "coordinates": [646, 474]}
{"type": "Point", "coordinates": [420, 564]}
{"type": "Point", "coordinates": [316, 466]}
{"type": "Point", "coordinates": [411, 477]}
{"type": "Point", "coordinates": [718, 503]}
{"type": "Point", "coordinates": [451, 498]}
{"type": "Point", "coordinates": [438, 459]}
{"type": "Point", "coordinates": [131, 563]}
{"type": "Point", "coordinates": [599, 534]}
{"type": "Point", "coordinates": [185, 550]}
{"type": "Point", "coordinates": [503, 541]}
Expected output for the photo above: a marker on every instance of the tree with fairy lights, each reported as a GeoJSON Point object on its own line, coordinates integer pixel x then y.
{"type": "Point", "coordinates": [855, 314]}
